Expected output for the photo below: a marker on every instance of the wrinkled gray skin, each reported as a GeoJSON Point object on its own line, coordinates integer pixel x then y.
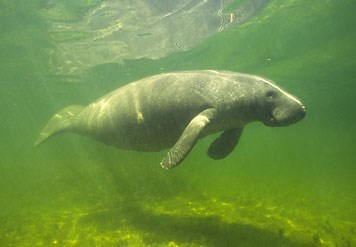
{"type": "Point", "coordinates": [174, 110]}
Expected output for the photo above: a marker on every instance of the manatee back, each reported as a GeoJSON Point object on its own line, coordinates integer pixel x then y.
{"type": "Point", "coordinates": [146, 115]}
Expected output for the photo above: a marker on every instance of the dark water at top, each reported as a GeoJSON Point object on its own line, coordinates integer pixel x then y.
{"type": "Point", "coordinates": [292, 186]}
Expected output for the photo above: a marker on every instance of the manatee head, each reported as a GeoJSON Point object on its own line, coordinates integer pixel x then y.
{"type": "Point", "coordinates": [276, 107]}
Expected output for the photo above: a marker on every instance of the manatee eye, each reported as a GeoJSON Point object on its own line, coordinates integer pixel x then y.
{"type": "Point", "coordinates": [271, 95]}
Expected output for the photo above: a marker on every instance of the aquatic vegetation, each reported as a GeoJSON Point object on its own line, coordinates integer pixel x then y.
{"type": "Point", "coordinates": [173, 222]}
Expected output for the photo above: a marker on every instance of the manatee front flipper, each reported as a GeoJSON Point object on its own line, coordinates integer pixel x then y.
{"type": "Point", "coordinates": [224, 144]}
{"type": "Point", "coordinates": [188, 139]}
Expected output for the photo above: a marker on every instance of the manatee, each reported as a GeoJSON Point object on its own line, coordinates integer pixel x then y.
{"type": "Point", "coordinates": [174, 110]}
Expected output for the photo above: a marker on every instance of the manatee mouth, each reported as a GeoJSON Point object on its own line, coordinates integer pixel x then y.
{"type": "Point", "coordinates": [271, 121]}
{"type": "Point", "coordinates": [271, 117]}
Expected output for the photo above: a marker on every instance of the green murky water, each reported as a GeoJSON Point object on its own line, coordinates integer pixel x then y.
{"type": "Point", "coordinates": [293, 186]}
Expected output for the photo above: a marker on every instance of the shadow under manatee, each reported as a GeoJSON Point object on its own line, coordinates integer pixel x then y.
{"type": "Point", "coordinates": [194, 230]}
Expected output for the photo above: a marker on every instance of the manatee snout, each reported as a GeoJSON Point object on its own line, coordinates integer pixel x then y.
{"type": "Point", "coordinates": [280, 108]}
{"type": "Point", "coordinates": [287, 114]}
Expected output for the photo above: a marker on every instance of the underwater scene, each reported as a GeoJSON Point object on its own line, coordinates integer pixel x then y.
{"type": "Point", "coordinates": [283, 186]}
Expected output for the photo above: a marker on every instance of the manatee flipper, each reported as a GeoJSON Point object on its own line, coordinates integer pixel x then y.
{"type": "Point", "coordinates": [59, 123]}
{"type": "Point", "coordinates": [188, 139]}
{"type": "Point", "coordinates": [224, 144]}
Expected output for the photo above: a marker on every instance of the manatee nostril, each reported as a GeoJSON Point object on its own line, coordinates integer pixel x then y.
{"type": "Point", "coordinates": [304, 112]}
